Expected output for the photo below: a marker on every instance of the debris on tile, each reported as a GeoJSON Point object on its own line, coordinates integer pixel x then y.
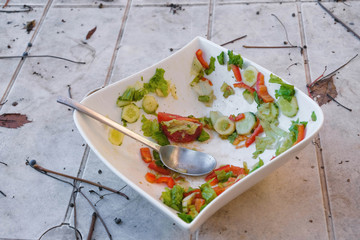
{"type": "Point", "coordinates": [90, 33]}
{"type": "Point", "coordinates": [30, 25]}
{"type": "Point", "coordinates": [13, 120]}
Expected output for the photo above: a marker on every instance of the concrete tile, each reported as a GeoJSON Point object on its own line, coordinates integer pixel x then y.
{"type": "Point", "coordinates": [331, 45]}
{"type": "Point", "coordinates": [91, 3]}
{"type": "Point", "coordinates": [159, 36]}
{"type": "Point", "coordinates": [51, 137]}
{"type": "Point", "coordinates": [285, 205]}
{"type": "Point", "coordinates": [263, 29]}
{"type": "Point", "coordinates": [140, 220]}
{"type": "Point", "coordinates": [14, 39]}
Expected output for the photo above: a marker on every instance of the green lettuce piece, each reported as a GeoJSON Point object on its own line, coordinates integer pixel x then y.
{"type": "Point", "coordinates": [204, 98]}
{"type": "Point", "coordinates": [257, 165]}
{"type": "Point", "coordinates": [185, 217]}
{"type": "Point", "coordinates": [158, 82]}
{"type": "Point", "coordinates": [223, 176]}
{"type": "Point", "coordinates": [207, 192]}
{"type": "Point", "coordinates": [173, 197]}
{"type": "Point", "coordinates": [313, 116]}
{"type": "Point", "coordinates": [287, 91]}
{"type": "Point", "coordinates": [235, 59]}
{"type": "Point", "coordinates": [221, 58]}
{"type": "Point", "coordinates": [211, 68]}
{"type": "Point", "coordinates": [131, 94]}
{"type": "Point", "coordinates": [203, 136]}
{"type": "Point", "coordinates": [227, 90]}
{"type": "Point", "coordinates": [232, 137]}
{"type": "Point", "coordinates": [151, 128]}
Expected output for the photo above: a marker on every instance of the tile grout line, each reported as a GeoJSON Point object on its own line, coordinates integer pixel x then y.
{"type": "Point", "coordinates": [117, 44]}
{"type": "Point", "coordinates": [22, 60]}
{"type": "Point", "coordinates": [106, 82]}
{"type": "Point", "coordinates": [210, 19]}
{"type": "Point", "coordinates": [317, 142]}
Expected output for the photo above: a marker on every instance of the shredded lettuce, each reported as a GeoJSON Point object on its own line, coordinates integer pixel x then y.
{"type": "Point", "coordinates": [221, 58]}
{"type": "Point", "coordinates": [132, 94]}
{"type": "Point", "coordinates": [203, 136]}
{"type": "Point", "coordinates": [211, 66]}
{"type": "Point", "coordinates": [313, 116]}
{"type": "Point", "coordinates": [223, 176]}
{"type": "Point", "coordinates": [158, 83]}
{"type": "Point", "coordinates": [151, 128]}
{"type": "Point", "coordinates": [185, 217]}
{"type": "Point", "coordinates": [235, 59]}
{"type": "Point", "coordinates": [173, 197]}
{"type": "Point", "coordinates": [227, 90]}
{"type": "Point", "coordinates": [287, 91]}
{"type": "Point", "coordinates": [207, 192]}
{"type": "Point", "coordinates": [257, 165]}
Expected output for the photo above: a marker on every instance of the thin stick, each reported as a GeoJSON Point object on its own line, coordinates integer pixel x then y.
{"type": "Point", "coordinates": [2, 193]}
{"type": "Point", "coordinates": [92, 226]}
{"type": "Point", "coordinates": [247, 46]}
{"type": "Point", "coordinates": [333, 72]}
{"type": "Point", "coordinates": [287, 37]}
{"type": "Point", "coordinates": [349, 109]}
{"type": "Point", "coordinates": [6, 3]}
{"type": "Point", "coordinates": [234, 40]}
{"type": "Point", "coordinates": [4, 163]}
{"type": "Point", "coordinates": [338, 20]}
{"type": "Point", "coordinates": [42, 56]}
{"type": "Point", "coordinates": [36, 166]}
{"type": "Point", "coordinates": [28, 9]}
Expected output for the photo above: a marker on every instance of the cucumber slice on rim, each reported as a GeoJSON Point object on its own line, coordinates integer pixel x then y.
{"type": "Point", "coordinates": [130, 113]}
{"type": "Point", "coordinates": [250, 75]}
{"type": "Point", "coordinates": [246, 125]}
{"type": "Point", "coordinates": [122, 103]}
{"type": "Point", "coordinates": [214, 116]}
{"type": "Point", "coordinates": [115, 137]}
{"type": "Point", "coordinates": [289, 109]}
{"type": "Point", "coordinates": [224, 126]}
{"type": "Point", "coordinates": [149, 104]}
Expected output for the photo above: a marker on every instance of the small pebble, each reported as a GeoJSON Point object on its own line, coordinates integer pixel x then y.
{"type": "Point", "coordinates": [117, 220]}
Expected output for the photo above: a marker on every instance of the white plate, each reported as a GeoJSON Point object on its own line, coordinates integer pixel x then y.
{"type": "Point", "coordinates": [125, 161]}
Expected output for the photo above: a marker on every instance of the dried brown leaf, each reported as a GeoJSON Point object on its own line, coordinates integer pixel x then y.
{"type": "Point", "coordinates": [90, 33]}
{"type": "Point", "coordinates": [322, 89]}
{"type": "Point", "coordinates": [13, 120]}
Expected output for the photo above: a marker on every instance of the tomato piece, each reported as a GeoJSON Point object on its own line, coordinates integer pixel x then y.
{"type": "Point", "coordinates": [199, 202]}
{"type": "Point", "coordinates": [301, 133]}
{"type": "Point", "coordinates": [243, 85]}
{"type": "Point", "coordinates": [236, 71]}
{"type": "Point", "coordinates": [259, 129]}
{"type": "Point", "coordinates": [236, 118]}
{"type": "Point", "coordinates": [179, 136]}
{"type": "Point", "coordinates": [151, 178]}
{"type": "Point", "coordinates": [218, 190]}
{"type": "Point", "coordinates": [237, 170]}
{"type": "Point", "coordinates": [199, 56]}
{"type": "Point", "coordinates": [159, 169]}
{"type": "Point", "coordinates": [146, 154]}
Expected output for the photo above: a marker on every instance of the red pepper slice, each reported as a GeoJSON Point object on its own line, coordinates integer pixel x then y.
{"type": "Point", "coordinates": [151, 178]}
{"type": "Point", "coordinates": [209, 81]}
{"type": "Point", "coordinates": [159, 169]}
{"type": "Point", "coordinates": [199, 202]}
{"type": "Point", "coordinates": [212, 175]}
{"type": "Point", "coordinates": [243, 85]}
{"type": "Point", "coordinates": [301, 133]}
{"type": "Point", "coordinates": [201, 59]}
{"type": "Point", "coordinates": [146, 154]}
{"type": "Point", "coordinates": [197, 195]}
{"type": "Point", "coordinates": [218, 190]}
{"type": "Point", "coordinates": [261, 89]}
{"type": "Point", "coordinates": [259, 129]}
{"type": "Point", "coordinates": [237, 170]}
{"type": "Point", "coordinates": [237, 118]}
{"type": "Point", "coordinates": [236, 71]}
{"type": "Point", "coordinates": [168, 180]}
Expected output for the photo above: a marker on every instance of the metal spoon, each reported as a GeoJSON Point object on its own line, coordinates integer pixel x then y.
{"type": "Point", "coordinates": [178, 159]}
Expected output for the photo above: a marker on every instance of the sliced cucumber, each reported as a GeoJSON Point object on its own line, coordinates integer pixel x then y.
{"type": "Point", "coordinates": [250, 75]}
{"type": "Point", "coordinates": [122, 103]}
{"type": "Point", "coordinates": [224, 126]}
{"type": "Point", "coordinates": [115, 137]}
{"type": "Point", "coordinates": [214, 116]}
{"type": "Point", "coordinates": [130, 113]}
{"type": "Point", "coordinates": [248, 96]}
{"type": "Point", "coordinates": [149, 104]}
{"type": "Point", "coordinates": [268, 112]}
{"type": "Point", "coordinates": [246, 125]}
{"type": "Point", "coordinates": [289, 109]}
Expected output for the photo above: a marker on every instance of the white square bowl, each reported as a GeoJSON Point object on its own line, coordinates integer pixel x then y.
{"type": "Point", "coordinates": [125, 160]}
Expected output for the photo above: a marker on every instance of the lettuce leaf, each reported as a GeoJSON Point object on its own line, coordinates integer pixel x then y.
{"type": "Point", "coordinates": [158, 82]}
{"type": "Point", "coordinates": [173, 197]}
{"type": "Point", "coordinates": [235, 59]}
{"type": "Point", "coordinates": [211, 68]}
{"type": "Point", "coordinates": [207, 192]}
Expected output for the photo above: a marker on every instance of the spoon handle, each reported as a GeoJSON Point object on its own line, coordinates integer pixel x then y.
{"type": "Point", "coordinates": [91, 113]}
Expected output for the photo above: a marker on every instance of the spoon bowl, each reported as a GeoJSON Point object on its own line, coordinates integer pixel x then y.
{"type": "Point", "coordinates": [179, 159]}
